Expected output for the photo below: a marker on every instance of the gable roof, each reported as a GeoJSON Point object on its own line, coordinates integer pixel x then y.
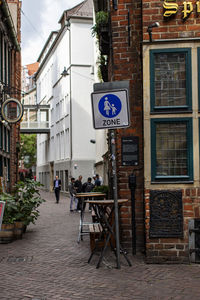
{"type": "Point", "coordinates": [84, 9]}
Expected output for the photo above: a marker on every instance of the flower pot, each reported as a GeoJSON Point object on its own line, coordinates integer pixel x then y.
{"type": "Point", "coordinates": [18, 230]}
{"type": "Point", "coordinates": [24, 228]}
{"type": "Point", "coordinates": [6, 233]}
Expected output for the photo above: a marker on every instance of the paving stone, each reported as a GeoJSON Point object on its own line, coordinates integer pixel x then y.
{"type": "Point", "coordinates": [49, 264]}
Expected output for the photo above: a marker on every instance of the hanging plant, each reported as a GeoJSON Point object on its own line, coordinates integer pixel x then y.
{"type": "Point", "coordinates": [101, 23]}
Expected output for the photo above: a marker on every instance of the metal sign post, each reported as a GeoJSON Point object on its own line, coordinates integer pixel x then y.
{"type": "Point", "coordinates": [111, 111]}
{"type": "Point", "coordinates": [114, 171]}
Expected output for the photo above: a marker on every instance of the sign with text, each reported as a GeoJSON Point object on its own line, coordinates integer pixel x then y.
{"type": "Point", "coordinates": [2, 206]}
{"type": "Point", "coordinates": [12, 110]}
{"type": "Point", "coordinates": [130, 151]}
{"type": "Point", "coordinates": [166, 214]}
{"type": "Point", "coordinates": [110, 109]}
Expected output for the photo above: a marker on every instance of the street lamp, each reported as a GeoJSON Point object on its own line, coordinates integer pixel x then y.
{"type": "Point", "coordinates": [93, 141]}
{"type": "Point", "coordinates": [149, 29]}
{"type": "Point", "coordinates": [65, 72]}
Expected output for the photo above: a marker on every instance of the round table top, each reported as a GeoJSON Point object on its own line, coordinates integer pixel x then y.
{"type": "Point", "coordinates": [90, 194]}
{"type": "Point", "coordinates": [106, 202]}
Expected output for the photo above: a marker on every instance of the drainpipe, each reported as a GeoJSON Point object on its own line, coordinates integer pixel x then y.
{"type": "Point", "coordinates": [70, 101]}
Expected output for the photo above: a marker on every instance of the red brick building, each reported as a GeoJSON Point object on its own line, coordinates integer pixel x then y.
{"type": "Point", "coordinates": [155, 46]}
{"type": "Point", "coordinates": [10, 81]}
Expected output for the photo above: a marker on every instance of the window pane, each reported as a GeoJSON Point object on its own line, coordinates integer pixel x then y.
{"type": "Point", "coordinates": [33, 115]}
{"type": "Point", "coordinates": [171, 149]}
{"type": "Point", "coordinates": [170, 79]}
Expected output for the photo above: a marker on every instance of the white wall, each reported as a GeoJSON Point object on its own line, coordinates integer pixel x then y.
{"type": "Point", "coordinates": [59, 92]}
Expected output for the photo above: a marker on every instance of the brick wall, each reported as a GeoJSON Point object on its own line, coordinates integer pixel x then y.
{"type": "Point", "coordinates": [175, 26]}
{"type": "Point", "coordinates": [173, 249]}
{"type": "Point", "coordinates": [15, 82]}
{"type": "Point", "coordinates": [126, 65]}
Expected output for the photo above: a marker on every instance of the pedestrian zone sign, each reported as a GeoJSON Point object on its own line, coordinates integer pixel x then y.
{"type": "Point", "coordinates": [110, 109]}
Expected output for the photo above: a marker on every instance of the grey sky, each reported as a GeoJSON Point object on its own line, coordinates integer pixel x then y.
{"type": "Point", "coordinates": [39, 19]}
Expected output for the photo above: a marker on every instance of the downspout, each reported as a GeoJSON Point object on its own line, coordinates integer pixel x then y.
{"type": "Point", "coordinates": [70, 103]}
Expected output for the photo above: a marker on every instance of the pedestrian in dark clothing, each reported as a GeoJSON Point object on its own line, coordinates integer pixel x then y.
{"type": "Point", "coordinates": [78, 186]}
{"type": "Point", "coordinates": [97, 180]}
{"type": "Point", "coordinates": [87, 188]}
{"type": "Point", "coordinates": [57, 188]}
{"type": "Point", "coordinates": [72, 192]}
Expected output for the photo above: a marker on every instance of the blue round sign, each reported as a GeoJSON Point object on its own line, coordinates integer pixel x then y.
{"type": "Point", "coordinates": [110, 106]}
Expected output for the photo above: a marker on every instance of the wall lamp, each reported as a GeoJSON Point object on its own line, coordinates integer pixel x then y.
{"type": "Point", "coordinates": [149, 30]}
{"type": "Point", "coordinates": [65, 72]}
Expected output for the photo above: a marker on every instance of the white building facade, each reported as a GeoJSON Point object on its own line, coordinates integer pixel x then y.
{"type": "Point", "coordinates": [66, 151]}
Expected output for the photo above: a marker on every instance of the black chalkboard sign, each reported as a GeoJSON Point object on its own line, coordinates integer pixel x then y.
{"type": "Point", "coordinates": [166, 215]}
{"type": "Point", "coordinates": [130, 151]}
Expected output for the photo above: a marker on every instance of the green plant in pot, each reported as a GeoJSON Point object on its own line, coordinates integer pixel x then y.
{"type": "Point", "coordinates": [102, 188]}
{"type": "Point", "coordinates": [101, 23]}
{"type": "Point", "coordinates": [101, 30]}
{"type": "Point", "coordinates": [9, 217]}
{"type": "Point", "coordinates": [28, 200]}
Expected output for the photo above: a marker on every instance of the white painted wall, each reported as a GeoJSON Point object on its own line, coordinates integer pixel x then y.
{"type": "Point", "coordinates": [59, 92]}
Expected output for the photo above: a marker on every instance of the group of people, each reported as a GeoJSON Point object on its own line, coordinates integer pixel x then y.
{"type": "Point", "coordinates": [76, 186]}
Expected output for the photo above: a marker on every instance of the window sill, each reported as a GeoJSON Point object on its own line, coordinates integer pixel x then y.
{"type": "Point", "coordinates": [172, 182]}
{"type": "Point", "coordinates": [170, 111]}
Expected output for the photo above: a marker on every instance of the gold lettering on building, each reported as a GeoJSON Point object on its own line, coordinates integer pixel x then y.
{"type": "Point", "coordinates": [187, 9]}
{"type": "Point", "coordinates": [198, 6]}
{"type": "Point", "coordinates": [171, 8]}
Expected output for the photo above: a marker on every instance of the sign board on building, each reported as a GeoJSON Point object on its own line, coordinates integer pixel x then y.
{"type": "Point", "coordinates": [166, 214]}
{"type": "Point", "coordinates": [110, 109]}
{"type": "Point", "coordinates": [12, 110]}
{"type": "Point", "coordinates": [2, 206]}
{"type": "Point", "coordinates": [130, 151]}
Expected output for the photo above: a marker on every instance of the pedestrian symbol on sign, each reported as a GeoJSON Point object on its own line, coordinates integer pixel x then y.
{"type": "Point", "coordinates": [110, 106]}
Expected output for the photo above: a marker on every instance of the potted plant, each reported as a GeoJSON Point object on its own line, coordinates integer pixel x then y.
{"type": "Point", "coordinates": [101, 30]}
{"type": "Point", "coordinates": [101, 188]}
{"type": "Point", "coordinates": [28, 200]}
{"type": "Point", "coordinates": [9, 217]}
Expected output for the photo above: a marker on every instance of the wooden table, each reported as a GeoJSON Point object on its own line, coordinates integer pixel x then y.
{"type": "Point", "coordinates": [105, 218]}
{"type": "Point", "coordinates": [82, 197]}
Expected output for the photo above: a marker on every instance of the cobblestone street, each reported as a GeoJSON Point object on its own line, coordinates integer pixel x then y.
{"type": "Point", "coordinates": [49, 264]}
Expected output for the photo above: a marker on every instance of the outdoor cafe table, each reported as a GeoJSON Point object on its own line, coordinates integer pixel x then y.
{"type": "Point", "coordinates": [83, 197]}
{"type": "Point", "coordinates": [104, 217]}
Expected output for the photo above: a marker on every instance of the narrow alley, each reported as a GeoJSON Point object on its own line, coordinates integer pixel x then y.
{"type": "Point", "coordinates": [49, 264]}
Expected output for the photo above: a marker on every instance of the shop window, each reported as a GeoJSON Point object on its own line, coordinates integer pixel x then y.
{"type": "Point", "coordinates": [171, 149]}
{"type": "Point", "coordinates": [66, 180]}
{"type": "Point", "coordinates": [62, 181]}
{"type": "Point", "coordinates": [170, 79]}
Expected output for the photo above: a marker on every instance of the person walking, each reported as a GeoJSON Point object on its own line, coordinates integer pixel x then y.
{"type": "Point", "coordinates": [57, 188]}
{"type": "Point", "coordinates": [72, 192]}
{"type": "Point", "coordinates": [97, 180]}
{"type": "Point", "coordinates": [78, 186]}
{"type": "Point", "coordinates": [87, 188]}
